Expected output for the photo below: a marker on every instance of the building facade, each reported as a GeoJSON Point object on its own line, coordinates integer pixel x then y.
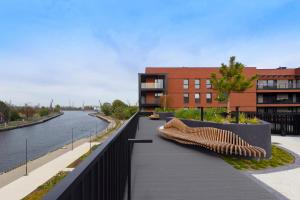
{"type": "Point", "coordinates": [276, 90]}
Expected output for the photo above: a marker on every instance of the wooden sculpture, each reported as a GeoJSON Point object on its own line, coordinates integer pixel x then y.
{"type": "Point", "coordinates": [217, 140]}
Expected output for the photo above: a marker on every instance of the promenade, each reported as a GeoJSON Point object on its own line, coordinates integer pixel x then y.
{"type": "Point", "coordinates": [23, 186]}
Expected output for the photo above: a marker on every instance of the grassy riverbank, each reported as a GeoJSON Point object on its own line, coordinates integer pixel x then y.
{"type": "Point", "coordinates": [26, 122]}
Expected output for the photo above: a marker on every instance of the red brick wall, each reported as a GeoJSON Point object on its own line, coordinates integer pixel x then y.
{"type": "Point", "coordinates": [175, 77]}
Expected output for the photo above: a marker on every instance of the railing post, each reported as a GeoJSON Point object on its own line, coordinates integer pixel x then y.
{"type": "Point", "coordinates": [26, 172]}
{"type": "Point", "coordinates": [237, 111]}
{"type": "Point", "coordinates": [202, 113]}
{"type": "Point", "coordinates": [130, 144]}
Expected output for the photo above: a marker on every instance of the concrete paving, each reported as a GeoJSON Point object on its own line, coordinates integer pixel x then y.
{"type": "Point", "coordinates": [165, 170]}
{"type": "Point", "coordinates": [286, 180]}
{"type": "Point", "coordinates": [23, 186]}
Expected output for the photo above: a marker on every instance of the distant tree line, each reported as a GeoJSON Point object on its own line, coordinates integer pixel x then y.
{"type": "Point", "coordinates": [13, 113]}
{"type": "Point", "coordinates": [118, 109]}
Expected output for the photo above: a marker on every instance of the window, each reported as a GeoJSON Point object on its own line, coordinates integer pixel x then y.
{"type": "Point", "coordinates": [186, 98]}
{"type": "Point", "coordinates": [186, 84]}
{"type": "Point", "coordinates": [208, 84]}
{"type": "Point", "coordinates": [260, 98]}
{"type": "Point", "coordinates": [208, 97]}
{"type": "Point", "coordinates": [197, 97]}
{"type": "Point", "coordinates": [197, 84]}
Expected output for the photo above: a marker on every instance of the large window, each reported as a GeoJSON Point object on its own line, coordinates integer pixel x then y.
{"type": "Point", "coordinates": [197, 84]}
{"type": "Point", "coordinates": [197, 97]}
{"type": "Point", "coordinates": [208, 84]}
{"type": "Point", "coordinates": [186, 98]}
{"type": "Point", "coordinates": [186, 84]}
{"type": "Point", "coordinates": [208, 97]}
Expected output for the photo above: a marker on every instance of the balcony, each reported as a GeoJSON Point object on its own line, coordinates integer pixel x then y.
{"type": "Point", "coordinates": [152, 86]}
{"type": "Point", "coordinates": [278, 87]}
{"type": "Point", "coordinates": [150, 103]}
{"type": "Point", "coordinates": [275, 101]}
{"type": "Point", "coordinates": [161, 170]}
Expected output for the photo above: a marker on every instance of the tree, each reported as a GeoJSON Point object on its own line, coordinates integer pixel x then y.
{"type": "Point", "coordinates": [57, 108]}
{"type": "Point", "coordinates": [28, 111]}
{"type": "Point", "coordinates": [232, 80]}
{"type": "Point", "coordinates": [14, 115]}
{"type": "Point", "coordinates": [117, 105]}
{"type": "Point", "coordinates": [106, 108]}
{"type": "Point", "coordinates": [4, 110]}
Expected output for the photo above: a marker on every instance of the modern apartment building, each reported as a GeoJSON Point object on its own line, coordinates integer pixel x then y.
{"type": "Point", "coordinates": [276, 90]}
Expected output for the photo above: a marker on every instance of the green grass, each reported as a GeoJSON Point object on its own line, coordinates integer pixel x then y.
{"type": "Point", "coordinates": [98, 139]}
{"type": "Point", "coordinates": [40, 192]}
{"type": "Point", "coordinates": [83, 157]}
{"type": "Point", "coordinates": [279, 158]}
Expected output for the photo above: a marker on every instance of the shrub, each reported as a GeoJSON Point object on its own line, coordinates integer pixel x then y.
{"type": "Point", "coordinates": [14, 115]}
{"type": "Point", "coordinates": [130, 110]}
{"type": "Point", "coordinates": [164, 110]}
{"type": "Point", "coordinates": [106, 108]}
{"type": "Point", "coordinates": [188, 113]}
{"type": "Point", "coordinates": [57, 108]}
{"type": "Point", "coordinates": [44, 112]}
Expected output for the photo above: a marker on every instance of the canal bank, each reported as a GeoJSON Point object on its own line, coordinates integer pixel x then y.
{"type": "Point", "coordinates": [46, 137]}
{"type": "Point", "coordinates": [32, 123]}
{"type": "Point", "coordinates": [12, 175]}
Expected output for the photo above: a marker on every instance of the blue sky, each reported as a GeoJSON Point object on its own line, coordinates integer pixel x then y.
{"type": "Point", "coordinates": [85, 51]}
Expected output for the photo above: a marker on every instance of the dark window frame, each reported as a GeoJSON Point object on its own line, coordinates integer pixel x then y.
{"type": "Point", "coordinates": [186, 85]}
{"type": "Point", "coordinates": [208, 100]}
{"type": "Point", "coordinates": [186, 98]}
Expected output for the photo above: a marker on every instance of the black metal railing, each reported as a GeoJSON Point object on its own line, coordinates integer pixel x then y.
{"type": "Point", "coordinates": [278, 86]}
{"type": "Point", "coordinates": [104, 173]}
{"type": "Point", "coordinates": [281, 123]}
{"type": "Point", "coordinates": [275, 101]}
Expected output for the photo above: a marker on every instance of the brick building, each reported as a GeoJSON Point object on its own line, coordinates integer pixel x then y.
{"type": "Point", "coordinates": [276, 90]}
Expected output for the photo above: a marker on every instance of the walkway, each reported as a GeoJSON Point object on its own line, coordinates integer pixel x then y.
{"type": "Point", "coordinates": [26, 184]}
{"type": "Point", "coordinates": [169, 171]}
{"type": "Point", "coordinates": [286, 180]}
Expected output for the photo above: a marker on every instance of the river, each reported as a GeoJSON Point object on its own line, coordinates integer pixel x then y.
{"type": "Point", "coordinates": [45, 137]}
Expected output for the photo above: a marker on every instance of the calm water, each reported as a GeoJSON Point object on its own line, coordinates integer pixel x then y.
{"type": "Point", "coordinates": [45, 137]}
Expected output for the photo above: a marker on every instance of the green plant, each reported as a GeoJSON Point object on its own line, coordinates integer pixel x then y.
{"type": "Point", "coordinates": [106, 108]}
{"type": "Point", "coordinates": [188, 114]}
{"type": "Point", "coordinates": [279, 157]}
{"type": "Point", "coordinates": [44, 189]}
{"type": "Point", "coordinates": [164, 110]}
{"type": "Point", "coordinates": [57, 108]}
{"type": "Point", "coordinates": [14, 115]}
{"type": "Point", "coordinates": [44, 112]}
{"type": "Point", "coordinates": [231, 80]}
{"type": "Point", "coordinates": [4, 110]}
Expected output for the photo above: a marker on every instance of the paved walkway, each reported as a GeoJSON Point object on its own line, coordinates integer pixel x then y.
{"type": "Point", "coordinates": [287, 180]}
{"type": "Point", "coordinates": [166, 170]}
{"type": "Point", "coordinates": [21, 187]}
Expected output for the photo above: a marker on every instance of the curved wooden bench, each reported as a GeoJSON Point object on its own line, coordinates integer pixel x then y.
{"type": "Point", "coordinates": [154, 116]}
{"type": "Point", "coordinates": [217, 140]}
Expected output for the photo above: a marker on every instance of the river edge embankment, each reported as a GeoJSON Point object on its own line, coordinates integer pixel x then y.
{"type": "Point", "coordinates": [31, 123]}
{"type": "Point", "coordinates": [19, 171]}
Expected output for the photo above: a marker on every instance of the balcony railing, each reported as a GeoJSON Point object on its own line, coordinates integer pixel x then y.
{"type": "Point", "coordinates": [152, 85]}
{"type": "Point", "coordinates": [278, 86]}
{"type": "Point", "coordinates": [151, 102]}
{"type": "Point", "coordinates": [275, 101]}
{"type": "Point", "coordinates": [104, 173]}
